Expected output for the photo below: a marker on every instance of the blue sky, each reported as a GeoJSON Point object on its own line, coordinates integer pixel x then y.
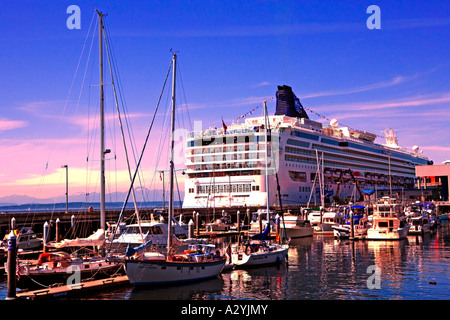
{"type": "Point", "coordinates": [232, 55]}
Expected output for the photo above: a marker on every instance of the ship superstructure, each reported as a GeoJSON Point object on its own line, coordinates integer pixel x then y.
{"type": "Point", "coordinates": [226, 166]}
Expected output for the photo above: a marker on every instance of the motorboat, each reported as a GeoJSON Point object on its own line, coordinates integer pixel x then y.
{"type": "Point", "coordinates": [419, 225]}
{"type": "Point", "coordinates": [328, 220]}
{"type": "Point", "coordinates": [296, 226]}
{"type": "Point", "coordinates": [360, 226]}
{"type": "Point", "coordinates": [26, 239]}
{"type": "Point", "coordinates": [152, 232]}
{"type": "Point", "coordinates": [221, 224]}
{"type": "Point", "coordinates": [389, 222]}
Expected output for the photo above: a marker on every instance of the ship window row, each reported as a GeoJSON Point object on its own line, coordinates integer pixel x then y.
{"type": "Point", "coordinates": [340, 165]}
{"type": "Point", "coordinates": [305, 135]}
{"type": "Point", "coordinates": [304, 189]}
{"type": "Point", "coordinates": [228, 139]}
{"type": "Point", "coordinates": [238, 148]}
{"type": "Point", "coordinates": [382, 159]}
{"type": "Point", "coordinates": [211, 174]}
{"type": "Point", "coordinates": [393, 154]}
{"type": "Point", "coordinates": [227, 157]}
{"type": "Point", "coordinates": [225, 188]}
{"type": "Point", "coordinates": [373, 164]}
{"type": "Point", "coordinates": [237, 165]}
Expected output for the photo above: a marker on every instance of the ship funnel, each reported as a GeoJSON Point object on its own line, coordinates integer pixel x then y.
{"type": "Point", "coordinates": [288, 104]}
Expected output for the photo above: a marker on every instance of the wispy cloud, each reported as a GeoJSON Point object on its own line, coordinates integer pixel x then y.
{"type": "Point", "coordinates": [261, 84]}
{"type": "Point", "coordinates": [265, 30]}
{"type": "Point", "coordinates": [383, 84]}
{"type": "Point", "coordinates": [44, 109]}
{"type": "Point", "coordinates": [8, 124]}
{"type": "Point", "coordinates": [390, 104]}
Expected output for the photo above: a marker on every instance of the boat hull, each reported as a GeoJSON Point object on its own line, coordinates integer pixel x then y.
{"type": "Point", "coordinates": [45, 277]}
{"type": "Point", "coordinates": [141, 272]}
{"type": "Point", "coordinates": [299, 232]}
{"type": "Point", "coordinates": [384, 234]}
{"type": "Point", "coordinates": [242, 260]}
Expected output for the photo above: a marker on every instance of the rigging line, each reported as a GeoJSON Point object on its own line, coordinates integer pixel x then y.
{"type": "Point", "coordinates": [143, 149]}
{"type": "Point", "coordinates": [184, 96]}
{"type": "Point", "coordinates": [124, 106]}
{"type": "Point", "coordinates": [41, 183]}
{"type": "Point", "coordinates": [123, 139]}
{"type": "Point", "coordinates": [161, 143]}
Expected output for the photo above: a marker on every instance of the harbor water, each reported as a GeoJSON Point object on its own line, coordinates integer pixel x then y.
{"type": "Point", "coordinates": [323, 268]}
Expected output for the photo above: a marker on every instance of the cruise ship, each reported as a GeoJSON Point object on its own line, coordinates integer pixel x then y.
{"type": "Point", "coordinates": [227, 166]}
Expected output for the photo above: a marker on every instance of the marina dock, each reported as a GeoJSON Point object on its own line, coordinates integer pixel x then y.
{"type": "Point", "coordinates": [74, 289]}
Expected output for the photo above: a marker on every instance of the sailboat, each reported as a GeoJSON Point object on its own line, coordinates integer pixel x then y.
{"type": "Point", "coordinates": [58, 266]}
{"type": "Point", "coordinates": [259, 251]}
{"type": "Point", "coordinates": [153, 268]}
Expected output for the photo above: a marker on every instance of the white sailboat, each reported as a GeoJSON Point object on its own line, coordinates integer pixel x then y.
{"type": "Point", "coordinates": [259, 250]}
{"type": "Point", "coordinates": [152, 268]}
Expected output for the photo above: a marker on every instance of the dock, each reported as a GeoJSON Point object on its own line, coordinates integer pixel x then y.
{"type": "Point", "coordinates": [74, 289]}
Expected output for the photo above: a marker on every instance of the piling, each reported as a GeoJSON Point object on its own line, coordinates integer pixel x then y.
{"type": "Point", "coordinates": [12, 265]}
{"type": "Point", "coordinates": [13, 223]}
{"type": "Point", "coordinates": [249, 217]}
{"type": "Point", "coordinates": [57, 229]}
{"type": "Point", "coordinates": [197, 223]}
{"type": "Point", "coordinates": [352, 226]}
{"type": "Point", "coordinates": [260, 222]}
{"type": "Point", "coordinates": [191, 229]}
{"type": "Point", "coordinates": [45, 235]}
{"type": "Point", "coordinates": [278, 229]}
{"type": "Point", "coordinates": [72, 225]}
{"type": "Point", "coordinates": [238, 221]}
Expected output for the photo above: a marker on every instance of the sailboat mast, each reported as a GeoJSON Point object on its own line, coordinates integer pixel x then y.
{"type": "Point", "coordinates": [266, 125]}
{"type": "Point", "coordinates": [172, 143]}
{"type": "Point", "coordinates": [102, 126]}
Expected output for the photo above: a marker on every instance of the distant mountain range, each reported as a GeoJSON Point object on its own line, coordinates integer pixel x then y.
{"type": "Point", "coordinates": [149, 195]}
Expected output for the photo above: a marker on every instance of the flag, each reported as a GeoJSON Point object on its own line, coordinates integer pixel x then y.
{"type": "Point", "coordinates": [224, 126]}
{"type": "Point", "coordinates": [17, 269]}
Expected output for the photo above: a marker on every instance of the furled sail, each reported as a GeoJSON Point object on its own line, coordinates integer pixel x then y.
{"type": "Point", "coordinates": [96, 239]}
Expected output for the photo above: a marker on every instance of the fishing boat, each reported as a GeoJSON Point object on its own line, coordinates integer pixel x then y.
{"type": "Point", "coordinates": [154, 268]}
{"type": "Point", "coordinates": [389, 223]}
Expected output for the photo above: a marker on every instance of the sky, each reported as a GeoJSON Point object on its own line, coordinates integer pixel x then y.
{"type": "Point", "coordinates": [232, 55]}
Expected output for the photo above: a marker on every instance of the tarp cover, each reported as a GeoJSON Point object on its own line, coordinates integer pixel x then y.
{"type": "Point", "coordinates": [263, 236]}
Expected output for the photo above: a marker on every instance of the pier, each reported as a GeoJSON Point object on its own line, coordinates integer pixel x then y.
{"type": "Point", "coordinates": [74, 289]}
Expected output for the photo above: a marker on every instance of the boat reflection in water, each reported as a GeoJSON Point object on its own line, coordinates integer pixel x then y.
{"type": "Point", "coordinates": [324, 268]}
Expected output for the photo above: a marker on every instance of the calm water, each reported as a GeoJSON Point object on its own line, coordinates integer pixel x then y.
{"type": "Point", "coordinates": [322, 268]}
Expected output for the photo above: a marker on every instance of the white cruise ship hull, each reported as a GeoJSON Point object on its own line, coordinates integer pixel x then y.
{"type": "Point", "coordinates": [226, 167]}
